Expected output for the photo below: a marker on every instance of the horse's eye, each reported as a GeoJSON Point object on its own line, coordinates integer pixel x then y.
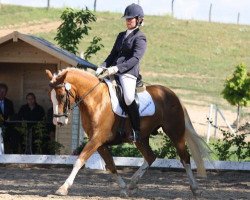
{"type": "Point", "coordinates": [61, 96]}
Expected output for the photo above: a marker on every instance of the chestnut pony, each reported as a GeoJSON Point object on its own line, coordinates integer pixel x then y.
{"type": "Point", "coordinates": [100, 123]}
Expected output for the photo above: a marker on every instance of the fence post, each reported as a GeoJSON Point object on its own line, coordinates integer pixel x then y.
{"type": "Point", "coordinates": [215, 120]}
{"type": "Point", "coordinates": [172, 8]}
{"type": "Point", "coordinates": [95, 5]}
{"type": "Point", "coordinates": [48, 4]}
{"type": "Point", "coordinates": [210, 12]}
{"type": "Point", "coordinates": [238, 18]}
{"type": "Point", "coordinates": [209, 124]}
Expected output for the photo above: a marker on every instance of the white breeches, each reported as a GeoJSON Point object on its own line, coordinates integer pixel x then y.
{"type": "Point", "coordinates": [128, 83]}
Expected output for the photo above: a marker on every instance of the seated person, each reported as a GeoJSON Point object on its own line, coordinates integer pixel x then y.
{"type": "Point", "coordinates": [10, 136]}
{"type": "Point", "coordinates": [6, 105]}
{"type": "Point", "coordinates": [33, 113]}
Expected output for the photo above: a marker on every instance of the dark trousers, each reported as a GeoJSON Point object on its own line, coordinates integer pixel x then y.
{"type": "Point", "coordinates": [12, 140]}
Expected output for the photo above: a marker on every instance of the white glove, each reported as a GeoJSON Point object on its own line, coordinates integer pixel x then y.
{"type": "Point", "coordinates": [99, 71]}
{"type": "Point", "coordinates": [112, 70]}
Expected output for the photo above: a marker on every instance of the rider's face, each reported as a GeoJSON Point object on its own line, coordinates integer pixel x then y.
{"type": "Point", "coordinates": [131, 23]}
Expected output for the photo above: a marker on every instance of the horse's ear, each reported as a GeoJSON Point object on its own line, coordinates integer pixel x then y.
{"type": "Point", "coordinates": [49, 74]}
{"type": "Point", "coordinates": [62, 76]}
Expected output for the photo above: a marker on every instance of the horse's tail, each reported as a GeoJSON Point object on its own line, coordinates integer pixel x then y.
{"type": "Point", "coordinates": [198, 147]}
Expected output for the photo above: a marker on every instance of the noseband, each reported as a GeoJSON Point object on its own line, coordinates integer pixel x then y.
{"type": "Point", "coordinates": [66, 107]}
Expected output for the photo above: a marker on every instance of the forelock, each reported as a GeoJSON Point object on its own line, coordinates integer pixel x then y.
{"type": "Point", "coordinates": [55, 75]}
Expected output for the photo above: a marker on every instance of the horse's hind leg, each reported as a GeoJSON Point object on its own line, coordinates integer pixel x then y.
{"type": "Point", "coordinates": [178, 140]}
{"type": "Point", "coordinates": [149, 157]}
{"type": "Point", "coordinates": [110, 165]}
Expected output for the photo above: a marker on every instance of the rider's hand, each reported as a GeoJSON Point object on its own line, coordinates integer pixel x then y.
{"type": "Point", "coordinates": [99, 71]}
{"type": "Point", "coordinates": [112, 70]}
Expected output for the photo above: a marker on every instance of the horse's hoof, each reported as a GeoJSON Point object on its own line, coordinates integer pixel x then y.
{"type": "Point", "coordinates": [133, 191]}
{"type": "Point", "coordinates": [196, 192]}
{"type": "Point", "coordinates": [123, 193]}
{"type": "Point", "coordinates": [62, 191]}
{"type": "Point", "coordinates": [132, 186]}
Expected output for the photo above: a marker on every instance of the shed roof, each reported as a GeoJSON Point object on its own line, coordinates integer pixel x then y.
{"type": "Point", "coordinates": [48, 47]}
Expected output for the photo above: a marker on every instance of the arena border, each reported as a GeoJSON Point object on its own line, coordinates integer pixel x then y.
{"type": "Point", "coordinates": [95, 162]}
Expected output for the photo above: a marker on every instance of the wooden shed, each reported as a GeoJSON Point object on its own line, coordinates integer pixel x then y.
{"type": "Point", "coordinates": [23, 60]}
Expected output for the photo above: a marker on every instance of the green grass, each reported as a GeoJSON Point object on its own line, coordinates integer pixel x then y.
{"type": "Point", "coordinates": [191, 56]}
{"type": "Point", "coordinates": [19, 16]}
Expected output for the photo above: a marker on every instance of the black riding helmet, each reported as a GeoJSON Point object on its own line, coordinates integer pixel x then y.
{"type": "Point", "coordinates": [132, 11]}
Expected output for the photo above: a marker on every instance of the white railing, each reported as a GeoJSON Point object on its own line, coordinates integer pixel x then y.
{"type": "Point", "coordinates": [96, 162]}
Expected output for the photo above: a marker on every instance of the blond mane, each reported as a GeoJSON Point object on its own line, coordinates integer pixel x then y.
{"type": "Point", "coordinates": [74, 70]}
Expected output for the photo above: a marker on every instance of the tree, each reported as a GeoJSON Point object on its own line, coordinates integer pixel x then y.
{"type": "Point", "coordinates": [237, 89]}
{"type": "Point", "coordinates": [73, 29]}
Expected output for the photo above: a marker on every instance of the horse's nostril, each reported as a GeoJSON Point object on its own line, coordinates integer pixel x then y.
{"type": "Point", "coordinates": [59, 123]}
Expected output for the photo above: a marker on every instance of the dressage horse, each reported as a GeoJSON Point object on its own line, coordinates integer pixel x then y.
{"type": "Point", "coordinates": [73, 86]}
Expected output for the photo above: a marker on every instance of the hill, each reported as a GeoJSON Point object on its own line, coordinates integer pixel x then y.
{"type": "Point", "coordinates": [191, 57]}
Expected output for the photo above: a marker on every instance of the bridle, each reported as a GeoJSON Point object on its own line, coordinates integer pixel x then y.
{"type": "Point", "coordinates": [66, 99]}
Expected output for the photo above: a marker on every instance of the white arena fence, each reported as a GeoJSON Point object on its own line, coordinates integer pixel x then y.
{"type": "Point", "coordinates": [96, 162]}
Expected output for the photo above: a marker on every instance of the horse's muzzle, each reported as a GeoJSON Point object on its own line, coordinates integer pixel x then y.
{"type": "Point", "coordinates": [60, 120]}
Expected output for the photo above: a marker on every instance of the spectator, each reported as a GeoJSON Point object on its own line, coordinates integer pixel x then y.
{"type": "Point", "coordinates": [33, 113]}
{"type": "Point", "coordinates": [10, 135]}
{"type": "Point", "coordinates": [6, 105]}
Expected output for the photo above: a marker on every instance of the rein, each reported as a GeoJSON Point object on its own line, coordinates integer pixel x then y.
{"type": "Point", "coordinates": [67, 107]}
{"type": "Point", "coordinates": [83, 96]}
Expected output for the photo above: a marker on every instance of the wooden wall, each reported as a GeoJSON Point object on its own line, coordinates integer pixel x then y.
{"type": "Point", "coordinates": [22, 52]}
{"type": "Point", "coordinates": [22, 68]}
{"type": "Point", "coordinates": [24, 78]}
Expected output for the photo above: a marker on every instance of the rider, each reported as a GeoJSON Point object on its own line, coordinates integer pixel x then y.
{"type": "Point", "coordinates": [124, 60]}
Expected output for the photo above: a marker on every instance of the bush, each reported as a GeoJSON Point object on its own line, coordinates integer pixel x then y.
{"type": "Point", "coordinates": [233, 145]}
{"type": "Point", "coordinates": [40, 138]}
{"type": "Point", "coordinates": [167, 150]}
{"type": "Point", "coordinates": [236, 90]}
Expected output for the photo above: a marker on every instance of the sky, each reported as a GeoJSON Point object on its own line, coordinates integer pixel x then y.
{"type": "Point", "coordinates": [225, 11]}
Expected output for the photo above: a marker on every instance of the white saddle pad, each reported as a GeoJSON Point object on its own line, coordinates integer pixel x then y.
{"type": "Point", "coordinates": [147, 106]}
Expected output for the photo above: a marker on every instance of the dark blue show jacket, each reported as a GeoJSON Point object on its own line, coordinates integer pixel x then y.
{"type": "Point", "coordinates": [127, 52]}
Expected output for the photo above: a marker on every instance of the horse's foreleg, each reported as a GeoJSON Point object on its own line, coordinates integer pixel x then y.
{"type": "Point", "coordinates": [149, 158]}
{"type": "Point", "coordinates": [88, 150]}
{"type": "Point", "coordinates": [110, 165]}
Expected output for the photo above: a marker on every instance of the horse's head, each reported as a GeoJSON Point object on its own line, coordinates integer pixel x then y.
{"type": "Point", "coordinates": [62, 96]}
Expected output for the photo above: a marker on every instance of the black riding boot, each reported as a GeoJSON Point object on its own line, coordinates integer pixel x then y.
{"type": "Point", "coordinates": [134, 116]}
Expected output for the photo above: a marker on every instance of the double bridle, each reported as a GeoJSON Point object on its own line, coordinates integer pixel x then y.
{"type": "Point", "coordinates": [67, 107]}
